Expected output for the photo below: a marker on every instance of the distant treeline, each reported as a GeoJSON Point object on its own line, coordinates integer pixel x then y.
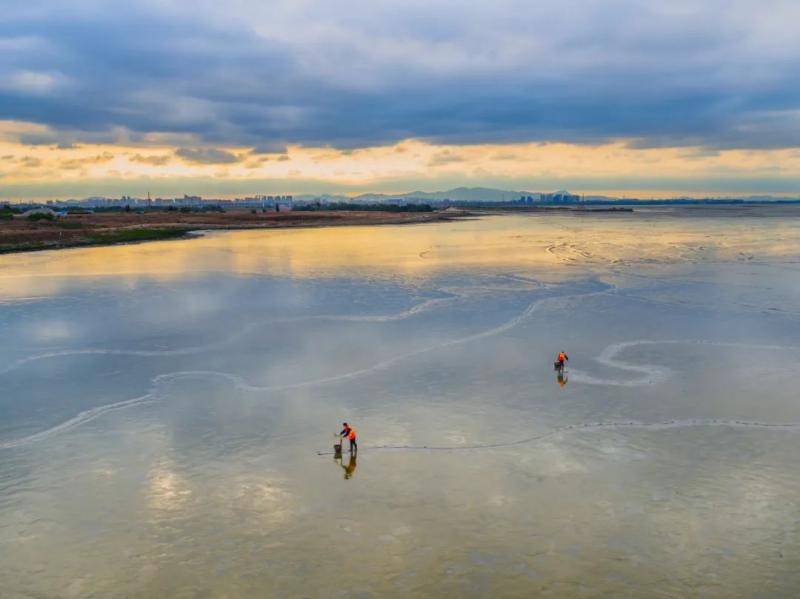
{"type": "Point", "coordinates": [545, 207]}
{"type": "Point", "coordinates": [690, 202]}
{"type": "Point", "coordinates": [128, 208]}
{"type": "Point", "coordinates": [7, 212]}
{"type": "Point", "coordinates": [364, 207]}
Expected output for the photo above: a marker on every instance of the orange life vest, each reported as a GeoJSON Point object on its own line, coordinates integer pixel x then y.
{"type": "Point", "coordinates": [562, 356]}
{"type": "Point", "coordinates": [352, 434]}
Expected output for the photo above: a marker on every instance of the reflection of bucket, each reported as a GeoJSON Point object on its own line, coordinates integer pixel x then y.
{"type": "Point", "coordinates": [337, 449]}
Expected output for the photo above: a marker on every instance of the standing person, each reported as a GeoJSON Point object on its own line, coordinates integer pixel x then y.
{"type": "Point", "coordinates": [349, 432]}
{"type": "Point", "coordinates": [562, 357]}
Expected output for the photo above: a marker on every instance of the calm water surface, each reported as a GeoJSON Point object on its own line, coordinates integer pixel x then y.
{"type": "Point", "coordinates": [168, 411]}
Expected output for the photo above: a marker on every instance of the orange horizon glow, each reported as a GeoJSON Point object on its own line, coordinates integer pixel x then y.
{"type": "Point", "coordinates": [614, 168]}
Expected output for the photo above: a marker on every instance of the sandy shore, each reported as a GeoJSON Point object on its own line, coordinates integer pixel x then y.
{"type": "Point", "coordinates": [20, 234]}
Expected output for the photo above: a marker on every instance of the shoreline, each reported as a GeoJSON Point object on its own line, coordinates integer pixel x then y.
{"type": "Point", "coordinates": [107, 229]}
{"type": "Point", "coordinates": [19, 235]}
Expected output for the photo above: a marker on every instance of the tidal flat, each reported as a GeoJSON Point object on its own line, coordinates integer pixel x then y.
{"type": "Point", "coordinates": [169, 410]}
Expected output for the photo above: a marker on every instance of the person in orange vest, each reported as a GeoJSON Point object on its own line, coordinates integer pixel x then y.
{"type": "Point", "coordinates": [349, 432]}
{"type": "Point", "coordinates": [562, 357]}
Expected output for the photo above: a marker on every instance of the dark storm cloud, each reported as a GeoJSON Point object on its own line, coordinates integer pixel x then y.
{"type": "Point", "coordinates": [715, 74]}
{"type": "Point", "coordinates": [206, 155]}
{"type": "Point", "coordinates": [152, 160]}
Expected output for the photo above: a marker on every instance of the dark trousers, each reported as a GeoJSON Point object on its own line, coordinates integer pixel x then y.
{"type": "Point", "coordinates": [353, 446]}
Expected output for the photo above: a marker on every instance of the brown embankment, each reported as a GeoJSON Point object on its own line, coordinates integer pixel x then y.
{"type": "Point", "coordinates": [103, 228]}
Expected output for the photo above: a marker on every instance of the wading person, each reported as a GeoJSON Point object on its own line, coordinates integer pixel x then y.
{"type": "Point", "coordinates": [349, 432]}
{"type": "Point", "coordinates": [562, 357]}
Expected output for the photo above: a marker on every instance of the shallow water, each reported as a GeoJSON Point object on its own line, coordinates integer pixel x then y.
{"type": "Point", "coordinates": [168, 411]}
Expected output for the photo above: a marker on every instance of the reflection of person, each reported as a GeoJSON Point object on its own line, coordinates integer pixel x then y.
{"type": "Point", "coordinates": [350, 468]}
{"type": "Point", "coordinates": [562, 379]}
{"type": "Point", "coordinates": [349, 432]}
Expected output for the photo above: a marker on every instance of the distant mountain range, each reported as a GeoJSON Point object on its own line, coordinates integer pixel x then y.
{"type": "Point", "coordinates": [459, 194]}
{"type": "Point", "coordinates": [487, 194]}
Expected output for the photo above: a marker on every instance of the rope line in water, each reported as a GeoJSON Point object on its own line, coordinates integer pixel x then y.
{"type": "Point", "coordinates": [591, 426]}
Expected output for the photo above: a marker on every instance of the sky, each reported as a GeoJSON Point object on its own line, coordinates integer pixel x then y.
{"type": "Point", "coordinates": [621, 97]}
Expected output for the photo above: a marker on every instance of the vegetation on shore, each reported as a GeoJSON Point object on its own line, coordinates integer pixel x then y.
{"type": "Point", "coordinates": [22, 233]}
{"type": "Point", "coordinates": [352, 207]}
{"type": "Point", "coordinates": [134, 235]}
{"type": "Point", "coordinates": [99, 238]}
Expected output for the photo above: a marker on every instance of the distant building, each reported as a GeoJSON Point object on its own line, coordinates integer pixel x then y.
{"type": "Point", "coordinates": [561, 197]}
{"type": "Point", "coordinates": [192, 201]}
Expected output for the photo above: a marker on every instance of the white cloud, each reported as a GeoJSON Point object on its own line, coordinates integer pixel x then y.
{"type": "Point", "coordinates": [35, 83]}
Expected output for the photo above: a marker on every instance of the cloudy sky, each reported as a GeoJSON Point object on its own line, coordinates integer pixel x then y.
{"type": "Point", "coordinates": [631, 97]}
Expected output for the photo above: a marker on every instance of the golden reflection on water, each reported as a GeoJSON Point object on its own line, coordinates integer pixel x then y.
{"type": "Point", "coordinates": [168, 490]}
{"type": "Point", "coordinates": [553, 245]}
